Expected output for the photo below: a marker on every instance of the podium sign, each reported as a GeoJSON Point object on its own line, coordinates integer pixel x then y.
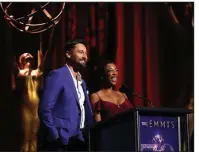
{"type": "Point", "coordinates": [159, 133]}
{"type": "Point", "coordinates": [162, 129]}
{"type": "Point", "coordinates": [142, 129]}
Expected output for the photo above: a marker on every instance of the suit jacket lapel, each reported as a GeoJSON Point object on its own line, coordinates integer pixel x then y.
{"type": "Point", "coordinates": [84, 89]}
{"type": "Point", "coordinates": [72, 85]}
{"type": "Point", "coordinates": [88, 110]}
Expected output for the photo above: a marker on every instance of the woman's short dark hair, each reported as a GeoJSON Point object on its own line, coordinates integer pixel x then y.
{"type": "Point", "coordinates": [98, 74]}
{"type": "Point", "coordinates": [70, 44]}
{"type": "Point", "coordinates": [101, 65]}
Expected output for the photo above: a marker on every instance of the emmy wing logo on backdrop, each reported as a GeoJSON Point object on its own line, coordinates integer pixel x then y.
{"type": "Point", "coordinates": [159, 134]}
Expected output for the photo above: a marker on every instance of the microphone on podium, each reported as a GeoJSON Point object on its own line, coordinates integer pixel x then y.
{"type": "Point", "coordinates": [130, 94]}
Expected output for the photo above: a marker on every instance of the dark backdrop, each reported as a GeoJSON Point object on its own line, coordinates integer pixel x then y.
{"type": "Point", "coordinates": [154, 56]}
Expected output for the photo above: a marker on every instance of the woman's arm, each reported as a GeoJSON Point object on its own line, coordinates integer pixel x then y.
{"type": "Point", "coordinates": [94, 99]}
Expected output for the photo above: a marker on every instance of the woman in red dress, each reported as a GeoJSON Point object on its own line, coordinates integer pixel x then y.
{"type": "Point", "coordinates": [108, 102]}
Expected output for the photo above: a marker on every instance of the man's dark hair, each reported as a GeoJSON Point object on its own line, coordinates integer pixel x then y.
{"type": "Point", "coordinates": [70, 44]}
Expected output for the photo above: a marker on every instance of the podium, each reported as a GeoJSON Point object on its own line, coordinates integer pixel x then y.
{"type": "Point", "coordinates": [142, 129]}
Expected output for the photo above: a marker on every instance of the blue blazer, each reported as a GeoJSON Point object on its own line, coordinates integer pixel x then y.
{"type": "Point", "coordinates": [59, 108]}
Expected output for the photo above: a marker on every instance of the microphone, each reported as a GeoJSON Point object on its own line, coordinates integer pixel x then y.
{"type": "Point", "coordinates": [130, 94]}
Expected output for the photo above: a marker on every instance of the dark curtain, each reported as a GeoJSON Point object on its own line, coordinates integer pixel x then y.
{"type": "Point", "coordinates": [140, 37]}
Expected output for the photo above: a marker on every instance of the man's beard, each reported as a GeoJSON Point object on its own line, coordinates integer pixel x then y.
{"type": "Point", "coordinates": [83, 65]}
{"type": "Point", "coordinates": [78, 64]}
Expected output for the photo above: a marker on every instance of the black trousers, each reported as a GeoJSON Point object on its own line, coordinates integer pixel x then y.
{"type": "Point", "coordinates": [73, 145]}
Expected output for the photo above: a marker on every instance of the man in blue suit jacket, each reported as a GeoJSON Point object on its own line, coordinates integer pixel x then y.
{"type": "Point", "coordinates": [65, 108]}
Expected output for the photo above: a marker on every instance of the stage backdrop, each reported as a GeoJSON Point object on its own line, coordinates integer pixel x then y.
{"type": "Point", "coordinates": [150, 51]}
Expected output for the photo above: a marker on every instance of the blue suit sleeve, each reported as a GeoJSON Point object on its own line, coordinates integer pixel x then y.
{"type": "Point", "coordinates": [52, 88]}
